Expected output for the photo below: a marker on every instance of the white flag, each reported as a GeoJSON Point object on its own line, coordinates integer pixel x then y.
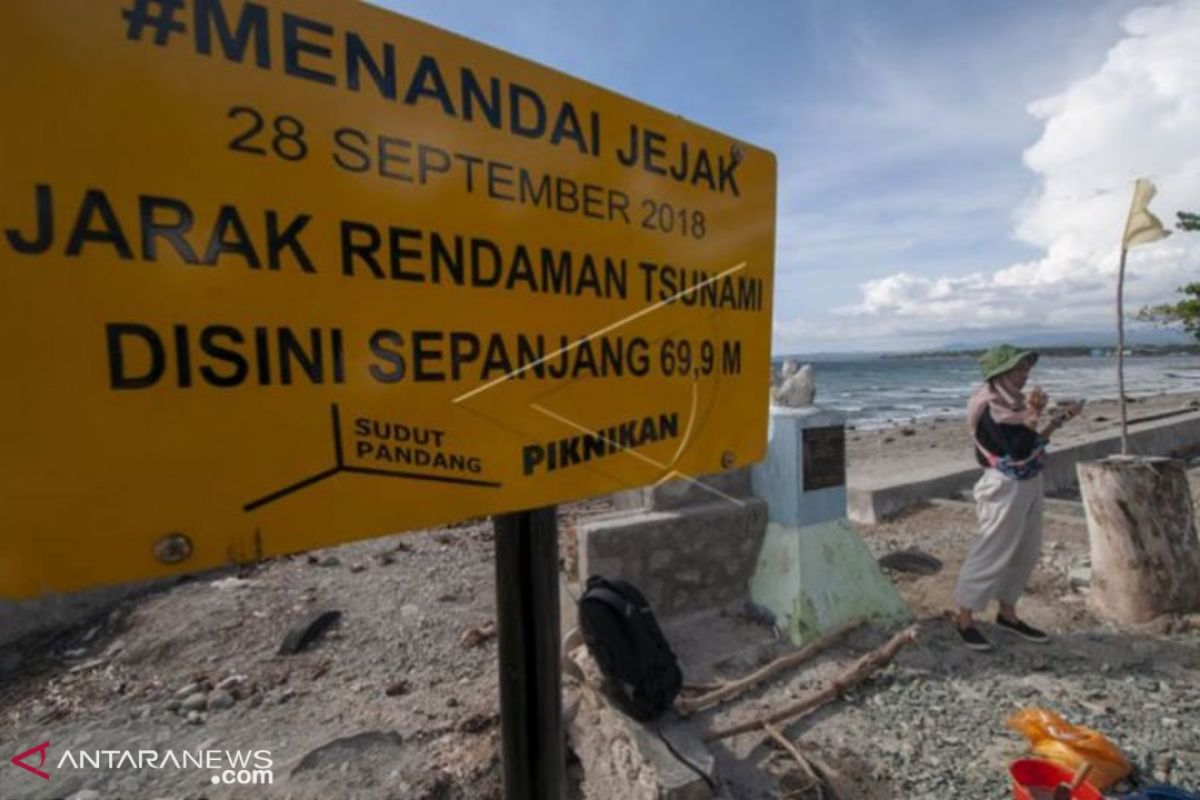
{"type": "Point", "coordinates": [1142, 227]}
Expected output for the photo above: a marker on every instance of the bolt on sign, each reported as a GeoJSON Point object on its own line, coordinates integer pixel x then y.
{"type": "Point", "coordinates": [279, 275]}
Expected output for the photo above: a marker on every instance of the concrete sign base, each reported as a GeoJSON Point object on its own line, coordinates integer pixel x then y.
{"type": "Point", "coordinates": [813, 571]}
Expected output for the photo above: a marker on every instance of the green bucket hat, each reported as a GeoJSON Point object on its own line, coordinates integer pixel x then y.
{"type": "Point", "coordinates": [1001, 358]}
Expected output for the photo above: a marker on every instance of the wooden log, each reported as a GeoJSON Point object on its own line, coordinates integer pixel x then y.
{"type": "Point", "coordinates": [1142, 528]}
{"type": "Point", "coordinates": [862, 669]}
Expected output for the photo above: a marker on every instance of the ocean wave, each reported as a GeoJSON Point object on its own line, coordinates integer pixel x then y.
{"type": "Point", "coordinates": [888, 392]}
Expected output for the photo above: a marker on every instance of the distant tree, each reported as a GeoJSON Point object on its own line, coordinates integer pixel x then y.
{"type": "Point", "coordinates": [1185, 312]}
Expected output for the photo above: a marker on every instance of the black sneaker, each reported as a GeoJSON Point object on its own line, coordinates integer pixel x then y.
{"type": "Point", "coordinates": [974, 639]}
{"type": "Point", "coordinates": [1026, 632]}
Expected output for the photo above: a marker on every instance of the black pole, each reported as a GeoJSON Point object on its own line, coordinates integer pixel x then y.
{"type": "Point", "coordinates": [527, 627]}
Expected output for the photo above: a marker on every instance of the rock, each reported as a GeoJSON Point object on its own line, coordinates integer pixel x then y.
{"type": "Point", "coordinates": [304, 633]}
{"type": "Point", "coordinates": [473, 637]}
{"type": "Point", "coordinates": [195, 702]}
{"type": "Point", "coordinates": [231, 683]}
{"type": "Point", "coordinates": [329, 561]}
{"type": "Point", "coordinates": [361, 748]}
{"type": "Point", "coordinates": [907, 432]}
{"type": "Point", "coordinates": [195, 718]}
{"type": "Point", "coordinates": [797, 387]}
{"type": "Point", "coordinates": [888, 440]}
{"type": "Point", "coordinates": [397, 689]}
{"type": "Point", "coordinates": [85, 794]}
{"type": "Point", "coordinates": [1080, 577]}
{"type": "Point", "coordinates": [189, 690]}
{"type": "Point", "coordinates": [220, 700]}
{"type": "Point", "coordinates": [173, 704]}
{"type": "Point", "coordinates": [358, 567]}
{"type": "Point", "coordinates": [232, 582]}
{"type": "Point", "coordinates": [478, 723]}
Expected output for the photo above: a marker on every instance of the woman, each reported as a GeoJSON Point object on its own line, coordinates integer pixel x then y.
{"type": "Point", "coordinates": [1003, 424]}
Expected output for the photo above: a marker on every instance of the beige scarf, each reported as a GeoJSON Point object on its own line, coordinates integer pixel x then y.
{"type": "Point", "coordinates": [1004, 399]}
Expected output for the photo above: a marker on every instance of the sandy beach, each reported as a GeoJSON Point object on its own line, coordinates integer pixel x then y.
{"type": "Point", "coordinates": [943, 444]}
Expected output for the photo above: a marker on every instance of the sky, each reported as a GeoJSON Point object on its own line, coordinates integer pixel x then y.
{"type": "Point", "coordinates": [950, 173]}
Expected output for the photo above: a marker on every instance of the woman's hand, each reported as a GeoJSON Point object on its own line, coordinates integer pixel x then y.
{"type": "Point", "coordinates": [1037, 400]}
{"type": "Point", "coordinates": [1063, 412]}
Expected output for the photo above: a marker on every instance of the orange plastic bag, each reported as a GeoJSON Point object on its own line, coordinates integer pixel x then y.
{"type": "Point", "coordinates": [1054, 739]}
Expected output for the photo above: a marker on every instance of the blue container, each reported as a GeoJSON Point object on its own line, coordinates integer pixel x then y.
{"type": "Point", "coordinates": [1161, 793]}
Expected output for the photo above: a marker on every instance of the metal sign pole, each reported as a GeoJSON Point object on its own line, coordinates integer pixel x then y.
{"type": "Point", "coordinates": [528, 633]}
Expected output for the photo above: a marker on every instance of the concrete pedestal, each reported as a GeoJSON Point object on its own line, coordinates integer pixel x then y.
{"type": "Point", "coordinates": [813, 570]}
{"type": "Point", "coordinates": [684, 560]}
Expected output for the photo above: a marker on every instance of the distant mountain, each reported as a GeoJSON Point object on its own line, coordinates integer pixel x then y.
{"type": "Point", "coordinates": [1100, 339]}
{"type": "Point", "coordinates": [861, 355]}
{"type": "Point", "coordinates": [1051, 339]}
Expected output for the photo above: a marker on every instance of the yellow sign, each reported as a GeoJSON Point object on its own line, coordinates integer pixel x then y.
{"type": "Point", "coordinates": [278, 275]}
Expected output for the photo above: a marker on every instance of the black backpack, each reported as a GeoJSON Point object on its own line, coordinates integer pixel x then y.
{"type": "Point", "coordinates": [629, 647]}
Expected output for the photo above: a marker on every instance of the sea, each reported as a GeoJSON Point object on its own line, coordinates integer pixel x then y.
{"type": "Point", "coordinates": [880, 392]}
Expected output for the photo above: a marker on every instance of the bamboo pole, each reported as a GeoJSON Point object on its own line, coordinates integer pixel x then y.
{"type": "Point", "coordinates": [1121, 354]}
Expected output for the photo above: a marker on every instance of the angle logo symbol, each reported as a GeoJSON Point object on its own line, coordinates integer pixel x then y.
{"type": "Point", "coordinates": [19, 760]}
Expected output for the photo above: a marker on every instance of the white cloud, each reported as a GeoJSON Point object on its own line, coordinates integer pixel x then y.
{"type": "Point", "coordinates": [1137, 115]}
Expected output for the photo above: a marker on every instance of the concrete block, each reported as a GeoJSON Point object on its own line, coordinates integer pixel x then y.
{"type": "Point", "coordinates": [872, 503]}
{"type": "Point", "coordinates": [678, 493]}
{"type": "Point", "coordinates": [683, 560]}
{"type": "Point", "coordinates": [677, 781]}
{"type": "Point", "coordinates": [624, 758]}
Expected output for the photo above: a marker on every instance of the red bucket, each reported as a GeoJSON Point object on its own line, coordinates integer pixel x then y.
{"type": "Point", "coordinates": [1032, 773]}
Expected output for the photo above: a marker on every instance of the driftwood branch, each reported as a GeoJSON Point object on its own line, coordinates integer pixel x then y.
{"type": "Point", "coordinates": [691, 705]}
{"type": "Point", "coordinates": [862, 669]}
{"type": "Point", "coordinates": [702, 687]}
{"type": "Point", "coordinates": [799, 758]}
{"type": "Point", "coordinates": [835, 781]}
{"type": "Point", "coordinates": [825, 778]}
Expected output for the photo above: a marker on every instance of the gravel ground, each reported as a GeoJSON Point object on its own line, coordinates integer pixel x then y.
{"type": "Point", "coordinates": [933, 723]}
{"type": "Point", "coordinates": [390, 702]}
{"type": "Point", "coordinates": [936, 721]}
